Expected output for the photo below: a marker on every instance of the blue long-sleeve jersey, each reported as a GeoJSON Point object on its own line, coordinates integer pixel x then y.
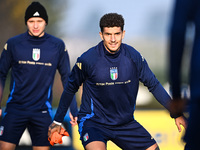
{"type": "Point", "coordinates": [110, 85]}
{"type": "Point", "coordinates": [33, 62]}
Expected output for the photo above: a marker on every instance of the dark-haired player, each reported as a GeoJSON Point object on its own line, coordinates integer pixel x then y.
{"type": "Point", "coordinates": [110, 73]}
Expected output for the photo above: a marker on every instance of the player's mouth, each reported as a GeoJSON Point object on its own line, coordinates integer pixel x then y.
{"type": "Point", "coordinates": [113, 44]}
{"type": "Point", "coordinates": [36, 31]}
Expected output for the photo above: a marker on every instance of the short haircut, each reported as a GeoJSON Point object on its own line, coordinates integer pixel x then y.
{"type": "Point", "coordinates": [111, 20]}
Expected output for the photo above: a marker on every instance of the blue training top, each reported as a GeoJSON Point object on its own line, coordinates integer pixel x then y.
{"type": "Point", "coordinates": [110, 85]}
{"type": "Point", "coordinates": [33, 62]}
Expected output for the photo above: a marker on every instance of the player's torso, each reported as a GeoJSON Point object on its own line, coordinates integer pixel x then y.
{"type": "Point", "coordinates": [33, 68]}
{"type": "Point", "coordinates": [111, 88]}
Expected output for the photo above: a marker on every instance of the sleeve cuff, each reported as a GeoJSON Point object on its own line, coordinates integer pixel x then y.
{"type": "Point", "coordinates": [176, 115]}
{"type": "Point", "coordinates": [58, 123]}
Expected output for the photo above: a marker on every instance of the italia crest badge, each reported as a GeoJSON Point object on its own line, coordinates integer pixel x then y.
{"type": "Point", "coordinates": [113, 73]}
{"type": "Point", "coordinates": [36, 54]}
{"type": "Point", "coordinates": [85, 137]}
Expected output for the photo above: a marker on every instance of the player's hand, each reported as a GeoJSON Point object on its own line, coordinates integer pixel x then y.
{"type": "Point", "coordinates": [73, 120]}
{"type": "Point", "coordinates": [181, 121]}
{"type": "Point", "coordinates": [53, 128]}
{"type": "Point", "coordinates": [0, 112]}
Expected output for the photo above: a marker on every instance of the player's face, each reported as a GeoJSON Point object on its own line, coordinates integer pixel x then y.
{"type": "Point", "coordinates": [112, 38]}
{"type": "Point", "coordinates": [36, 26]}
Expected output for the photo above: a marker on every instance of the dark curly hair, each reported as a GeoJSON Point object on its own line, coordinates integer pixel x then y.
{"type": "Point", "coordinates": [111, 20]}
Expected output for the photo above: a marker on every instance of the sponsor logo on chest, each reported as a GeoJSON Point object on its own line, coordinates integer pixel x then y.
{"type": "Point", "coordinates": [36, 54]}
{"type": "Point", "coordinates": [113, 73]}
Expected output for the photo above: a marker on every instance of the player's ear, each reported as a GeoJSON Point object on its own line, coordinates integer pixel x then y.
{"type": "Point", "coordinates": [123, 33]}
{"type": "Point", "coordinates": [101, 35]}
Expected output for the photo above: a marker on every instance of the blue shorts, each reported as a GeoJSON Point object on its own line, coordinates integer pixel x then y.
{"type": "Point", "coordinates": [129, 136]}
{"type": "Point", "coordinates": [13, 125]}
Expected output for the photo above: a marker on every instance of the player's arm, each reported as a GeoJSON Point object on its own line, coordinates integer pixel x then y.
{"type": "Point", "coordinates": [64, 70]}
{"type": "Point", "coordinates": [161, 95]}
{"type": "Point", "coordinates": [176, 47]}
{"type": "Point", "coordinates": [5, 64]}
{"type": "Point", "coordinates": [164, 99]}
{"type": "Point", "coordinates": [148, 78]}
{"type": "Point", "coordinates": [1, 95]}
{"type": "Point", "coordinates": [76, 78]}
